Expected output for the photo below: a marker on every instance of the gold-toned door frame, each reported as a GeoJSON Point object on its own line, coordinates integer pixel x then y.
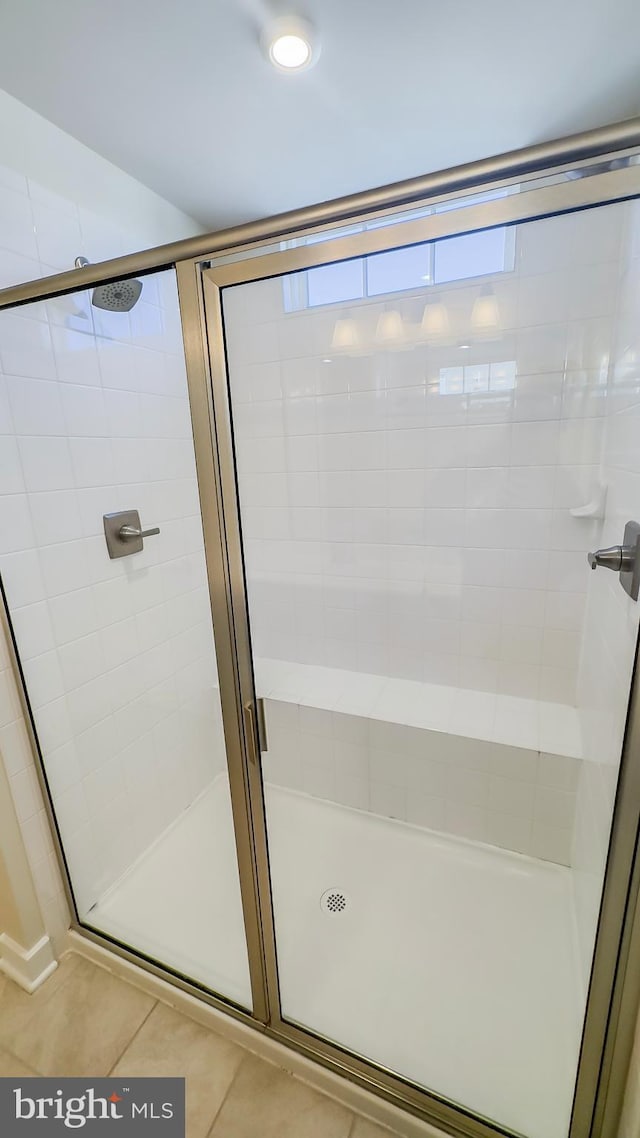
{"type": "Point", "coordinates": [615, 987]}
{"type": "Point", "coordinates": [607, 1023]}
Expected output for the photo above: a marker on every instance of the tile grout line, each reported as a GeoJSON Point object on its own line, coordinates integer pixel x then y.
{"type": "Point", "coordinates": [56, 988]}
{"type": "Point", "coordinates": [61, 988]}
{"type": "Point", "coordinates": [17, 1058]}
{"type": "Point", "coordinates": [246, 1055]}
{"type": "Point", "coordinates": [135, 1034]}
{"type": "Point", "coordinates": [290, 1074]}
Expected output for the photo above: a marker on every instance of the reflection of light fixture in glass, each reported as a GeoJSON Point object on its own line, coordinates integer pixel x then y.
{"type": "Point", "coordinates": [435, 319]}
{"type": "Point", "coordinates": [345, 335]}
{"type": "Point", "coordinates": [390, 329]}
{"type": "Point", "coordinates": [485, 315]}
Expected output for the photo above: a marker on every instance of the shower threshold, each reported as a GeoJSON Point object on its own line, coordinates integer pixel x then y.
{"type": "Point", "coordinates": [450, 962]}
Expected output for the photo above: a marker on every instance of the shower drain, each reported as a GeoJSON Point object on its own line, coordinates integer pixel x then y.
{"type": "Point", "coordinates": [334, 902]}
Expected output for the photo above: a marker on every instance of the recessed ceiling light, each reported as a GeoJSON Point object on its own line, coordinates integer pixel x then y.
{"type": "Point", "coordinates": [291, 52]}
{"type": "Point", "coordinates": [288, 44]}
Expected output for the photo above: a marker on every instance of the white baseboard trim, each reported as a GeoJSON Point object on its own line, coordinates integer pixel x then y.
{"type": "Point", "coordinates": [348, 1094]}
{"type": "Point", "coordinates": [28, 967]}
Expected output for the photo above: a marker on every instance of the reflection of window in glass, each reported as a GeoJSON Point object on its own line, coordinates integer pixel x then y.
{"type": "Point", "coordinates": [330, 284]}
{"type": "Point", "coordinates": [406, 215]}
{"type": "Point", "coordinates": [451, 380]}
{"type": "Point", "coordinates": [470, 255]}
{"type": "Point", "coordinates": [472, 199]}
{"type": "Point", "coordinates": [478, 377]}
{"type": "Point", "coordinates": [502, 376]}
{"type": "Point", "coordinates": [398, 269]}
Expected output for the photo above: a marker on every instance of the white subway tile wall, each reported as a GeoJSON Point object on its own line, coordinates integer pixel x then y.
{"type": "Point", "coordinates": [118, 655]}
{"type": "Point", "coordinates": [513, 797]}
{"type": "Point", "coordinates": [396, 527]}
{"type": "Point", "coordinates": [611, 622]}
{"type": "Point", "coordinates": [426, 754]}
{"type": "Point", "coordinates": [402, 518]}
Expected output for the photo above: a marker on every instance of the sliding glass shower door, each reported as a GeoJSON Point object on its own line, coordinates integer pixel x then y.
{"type": "Point", "coordinates": [429, 440]}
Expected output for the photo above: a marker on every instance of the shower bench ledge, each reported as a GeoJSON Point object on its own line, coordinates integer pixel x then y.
{"type": "Point", "coordinates": [537, 725]}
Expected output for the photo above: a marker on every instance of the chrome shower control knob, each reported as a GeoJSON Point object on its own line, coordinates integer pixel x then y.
{"type": "Point", "coordinates": [617, 557]}
{"type": "Point", "coordinates": [623, 559]}
{"type": "Point", "coordinates": [130, 533]}
{"type": "Point", "coordinates": [124, 533]}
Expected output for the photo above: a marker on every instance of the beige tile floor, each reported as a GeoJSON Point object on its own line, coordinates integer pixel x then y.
{"type": "Point", "coordinates": [84, 1021]}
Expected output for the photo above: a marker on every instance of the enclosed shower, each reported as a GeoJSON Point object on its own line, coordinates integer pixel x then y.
{"type": "Point", "coordinates": [328, 701]}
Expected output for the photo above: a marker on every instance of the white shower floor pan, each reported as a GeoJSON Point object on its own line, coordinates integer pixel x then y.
{"type": "Point", "coordinates": [452, 963]}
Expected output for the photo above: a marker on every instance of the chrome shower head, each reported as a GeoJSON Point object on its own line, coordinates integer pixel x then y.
{"type": "Point", "coordinates": [117, 296]}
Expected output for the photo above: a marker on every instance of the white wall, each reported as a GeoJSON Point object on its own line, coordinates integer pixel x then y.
{"type": "Point", "coordinates": [26, 952]}
{"type": "Point", "coordinates": [611, 623]}
{"type": "Point", "coordinates": [394, 529]}
{"type": "Point", "coordinates": [118, 213]}
{"type": "Point", "coordinates": [94, 417]}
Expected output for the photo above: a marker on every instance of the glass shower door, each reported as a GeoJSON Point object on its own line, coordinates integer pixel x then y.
{"type": "Point", "coordinates": [114, 631]}
{"type": "Point", "coordinates": [428, 442]}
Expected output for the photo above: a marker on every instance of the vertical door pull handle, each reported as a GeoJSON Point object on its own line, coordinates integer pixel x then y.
{"type": "Point", "coordinates": [251, 732]}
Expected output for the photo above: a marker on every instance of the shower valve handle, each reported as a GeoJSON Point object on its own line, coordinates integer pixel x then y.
{"type": "Point", "coordinates": [124, 533]}
{"type": "Point", "coordinates": [620, 558]}
{"type": "Point", "coordinates": [129, 533]}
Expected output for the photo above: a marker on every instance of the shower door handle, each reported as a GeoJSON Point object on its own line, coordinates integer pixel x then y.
{"type": "Point", "coordinates": [252, 734]}
{"type": "Point", "coordinates": [256, 730]}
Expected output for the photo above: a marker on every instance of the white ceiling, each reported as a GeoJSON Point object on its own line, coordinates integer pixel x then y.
{"type": "Point", "coordinates": [178, 94]}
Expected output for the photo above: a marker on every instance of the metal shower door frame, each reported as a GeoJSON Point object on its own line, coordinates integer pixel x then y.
{"type": "Point", "coordinates": [609, 1019]}
{"type": "Point", "coordinates": [615, 988]}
